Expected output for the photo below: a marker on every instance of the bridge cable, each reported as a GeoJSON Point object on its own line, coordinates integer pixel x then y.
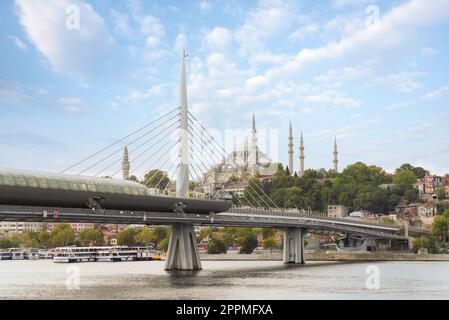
{"type": "Point", "coordinates": [146, 150]}
{"type": "Point", "coordinates": [155, 162]}
{"type": "Point", "coordinates": [121, 149]}
{"type": "Point", "coordinates": [249, 184]}
{"type": "Point", "coordinates": [249, 202]}
{"type": "Point", "coordinates": [161, 147]}
{"type": "Point", "coordinates": [211, 165]}
{"type": "Point", "coordinates": [223, 152]}
{"type": "Point", "coordinates": [118, 141]}
{"type": "Point", "coordinates": [236, 196]}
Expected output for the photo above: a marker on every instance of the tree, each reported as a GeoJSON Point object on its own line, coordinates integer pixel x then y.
{"type": "Point", "coordinates": [62, 235]}
{"type": "Point", "coordinates": [163, 244]}
{"type": "Point", "coordinates": [420, 243]}
{"type": "Point", "coordinates": [441, 194]}
{"type": "Point", "coordinates": [253, 193]}
{"type": "Point", "coordinates": [160, 233]}
{"type": "Point", "coordinates": [6, 243]}
{"type": "Point", "coordinates": [215, 246]}
{"type": "Point", "coordinates": [418, 171]}
{"type": "Point", "coordinates": [144, 237]}
{"type": "Point", "coordinates": [204, 234]}
{"type": "Point", "coordinates": [267, 233]}
{"type": "Point", "coordinates": [93, 237]}
{"type": "Point", "coordinates": [440, 228]}
{"type": "Point", "coordinates": [156, 178]}
{"type": "Point", "coordinates": [249, 244]}
{"type": "Point", "coordinates": [126, 237]}
{"type": "Point", "coordinates": [269, 243]}
{"type": "Point", "coordinates": [44, 239]}
{"type": "Point", "coordinates": [404, 177]}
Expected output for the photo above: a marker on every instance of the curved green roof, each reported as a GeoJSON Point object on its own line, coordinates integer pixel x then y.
{"type": "Point", "coordinates": [44, 180]}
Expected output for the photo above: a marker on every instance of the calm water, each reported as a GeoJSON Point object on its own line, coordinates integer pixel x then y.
{"type": "Point", "coordinates": [44, 279]}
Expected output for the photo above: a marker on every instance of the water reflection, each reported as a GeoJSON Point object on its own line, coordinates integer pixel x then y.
{"type": "Point", "coordinates": [224, 280]}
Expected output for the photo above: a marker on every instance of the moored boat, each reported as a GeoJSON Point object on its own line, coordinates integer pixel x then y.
{"type": "Point", "coordinates": [5, 255]}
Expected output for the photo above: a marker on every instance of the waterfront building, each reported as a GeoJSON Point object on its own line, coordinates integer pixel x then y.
{"type": "Point", "coordinates": [19, 227]}
{"type": "Point", "coordinates": [337, 211]}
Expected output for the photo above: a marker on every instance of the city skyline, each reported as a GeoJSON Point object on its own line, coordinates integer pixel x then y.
{"type": "Point", "coordinates": [321, 66]}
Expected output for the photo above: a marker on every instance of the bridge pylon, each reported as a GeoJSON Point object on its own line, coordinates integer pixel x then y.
{"type": "Point", "coordinates": [182, 250]}
{"type": "Point", "coordinates": [294, 245]}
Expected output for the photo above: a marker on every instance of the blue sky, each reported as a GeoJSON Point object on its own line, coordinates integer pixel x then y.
{"type": "Point", "coordinates": [373, 73]}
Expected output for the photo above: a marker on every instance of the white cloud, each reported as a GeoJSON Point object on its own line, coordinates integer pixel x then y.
{"type": "Point", "coordinates": [70, 51]}
{"type": "Point", "coordinates": [270, 18]}
{"type": "Point", "coordinates": [403, 82]}
{"type": "Point", "coordinates": [399, 105]}
{"type": "Point", "coordinates": [18, 43]}
{"type": "Point", "coordinates": [180, 42]}
{"type": "Point", "coordinates": [72, 105]}
{"type": "Point", "coordinates": [393, 30]}
{"type": "Point", "coordinates": [152, 26]}
{"type": "Point", "coordinates": [429, 52]}
{"type": "Point", "coordinates": [218, 39]}
{"type": "Point", "coordinates": [437, 93]}
{"type": "Point", "coordinates": [121, 23]}
{"type": "Point", "coordinates": [343, 3]}
{"type": "Point", "coordinates": [304, 32]}
{"type": "Point", "coordinates": [205, 5]}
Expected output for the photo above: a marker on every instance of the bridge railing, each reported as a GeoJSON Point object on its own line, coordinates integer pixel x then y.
{"type": "Point", "coordinates": [297, 213]}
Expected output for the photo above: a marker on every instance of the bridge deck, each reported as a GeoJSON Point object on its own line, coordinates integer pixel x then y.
{"type": "Point", "coordinates": [235, 217]}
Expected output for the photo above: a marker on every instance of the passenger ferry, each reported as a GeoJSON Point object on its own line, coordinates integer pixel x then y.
{"type": "Point", "coordinates": [16, 254]}
{"type": "Point", "coordinates": [75, 254]}
{"type": "Point", "coordinates": [105, 254]}
{"type": "Point", "coordinates": [5, 255]}
{"type": "Point", "coordinates": [45, 254]}
{"type": "Point", "coordinates": [30, 254]}
{"type": "Point", "coordinates": [114, 254]}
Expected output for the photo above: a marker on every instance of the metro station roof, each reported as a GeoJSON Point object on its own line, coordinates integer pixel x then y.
{"type": "Point", "coordinates": [45, 180]}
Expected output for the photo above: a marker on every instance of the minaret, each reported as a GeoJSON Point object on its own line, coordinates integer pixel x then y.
{"type": "Point", "coordinates": [301, 156]}
{"type": "Point", "coordinates": [290, 149]}
{"type": "Point", "coordinates": [335, 156]}
{"type": "Point", "coordinates": [125, 164]}
{"type": "Point", "coordinates": [253, 152]}
{"type": "Point", "coordinates": [182, 181]}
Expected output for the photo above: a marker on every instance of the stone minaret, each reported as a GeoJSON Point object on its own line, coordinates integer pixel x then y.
{"type": "Point", "coordinates": [253, 152]}
{"type": "Point", "coordinates": [301, 156]}
{"type": "Point", "coordinates": [335, 156]}
{"type": "Point", "coordinates": [290, 149]}
{"type": "Point", "coordinates": [125, 164]}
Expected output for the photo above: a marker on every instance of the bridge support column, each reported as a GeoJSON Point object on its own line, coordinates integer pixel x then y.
{"type": "Point", "coordinates": [294, 245]}
{"type": "Point", "coordinates": [182, 249]}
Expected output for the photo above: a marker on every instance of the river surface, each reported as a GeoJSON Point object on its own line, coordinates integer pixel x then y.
{"type": "Point", "coordinates": [44, 279]}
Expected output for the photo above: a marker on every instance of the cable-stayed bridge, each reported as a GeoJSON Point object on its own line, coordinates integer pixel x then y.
{"type": "Point", "coordinates": [168, 155]}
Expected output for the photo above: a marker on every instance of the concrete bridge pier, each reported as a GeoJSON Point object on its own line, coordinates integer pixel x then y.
{"type": "Point", "coordinates": [294, 245]}
{"type": "Point", "coordinates": [182, 249]}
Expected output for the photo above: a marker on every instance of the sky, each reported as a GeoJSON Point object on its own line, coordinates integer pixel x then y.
{"type": "Point", "coordinates": [372, 73]}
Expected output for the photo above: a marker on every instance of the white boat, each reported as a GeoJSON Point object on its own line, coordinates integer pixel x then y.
{"type": "Point", "coordinates": [30, 254]}
{"type": "Point", "coordinates": [119, 253]}
{"type": "Point", "coordinates": [45, 254]}
{"type": "Point", "coordinates": [16, 254]}
{"type": "Point", "coordinates": [5, 255]}
{"type": "Point", "coordinates": [75, 254]}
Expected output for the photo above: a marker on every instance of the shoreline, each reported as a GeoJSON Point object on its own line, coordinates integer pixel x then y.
{"type": "Point", "coordinates": [334, 256]}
